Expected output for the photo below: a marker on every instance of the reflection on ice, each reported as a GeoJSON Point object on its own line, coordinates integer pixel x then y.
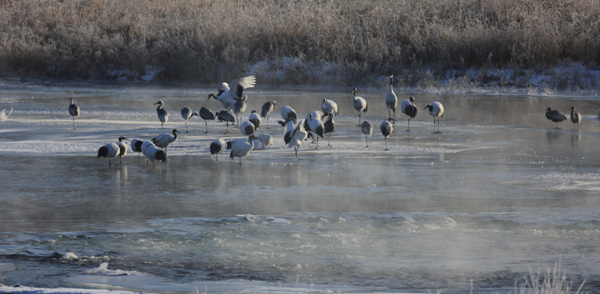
{"type": "Point", "coordinates": [497, 193]}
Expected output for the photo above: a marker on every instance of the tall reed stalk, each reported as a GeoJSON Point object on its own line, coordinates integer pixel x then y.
{"type": "Point", "coordinates": [289, 41]}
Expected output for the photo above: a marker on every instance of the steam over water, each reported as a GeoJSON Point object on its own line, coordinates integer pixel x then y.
{"type": "Point", "coordinates": [500, 193]}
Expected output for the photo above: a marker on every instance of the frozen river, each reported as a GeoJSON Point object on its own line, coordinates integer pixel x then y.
{"type": "Point", "coordinates": [502, 192]}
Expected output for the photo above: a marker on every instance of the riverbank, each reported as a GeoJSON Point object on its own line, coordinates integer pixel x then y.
{"type": "Point", "coordinates": [442, 44]}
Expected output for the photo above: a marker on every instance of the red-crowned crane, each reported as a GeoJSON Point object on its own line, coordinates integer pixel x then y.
{"type": "Point", "coordinates": [187, 113]}
{"type": "Point", "coordinates": [408, 107]}
{"type": "Point", "coordinates": [74, 112]}
{"type": "Point", "coordinates": [367, 129]}
{"type": "Point", "coordinates": [391, 100]}
{"type": "Point", "coordinates": [266, 110]}
{"type": "Point", "coordinates": [436, 110]}
{"type": "Point", "coordinates": [234, 91]}
{"type": "Point", "coordinates": [163, 114]}
{"type": "Point", "coordinates": [359, 104]}
{"type": "Point", "coordinates": [386, 130]}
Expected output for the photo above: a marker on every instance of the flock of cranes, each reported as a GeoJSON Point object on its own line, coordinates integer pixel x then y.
{"type": "Point", "coordinates": [314, 125]}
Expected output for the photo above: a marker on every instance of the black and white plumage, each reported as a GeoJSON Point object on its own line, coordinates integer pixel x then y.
{"type": "Point", "coordinates": [153, 153]}
{"type": "Point", "coordinates": [122, 148]}
{"type": "Point", "coordinates": [367, 129]}
{"type": "Point", "coordinates": [163, 140]}
{"type": "Point", "coordinates": [136, 146]}
{"type": "Point", "coordinates": [266, 139]}
{"type": "Point", "coordinates": [255, 119]}
{"type": "Point", "coordinates": [289, 131]}
{"type": "Point", "coordinates": [247, 128]}
{"type": "Point", "coordinates": [329, 106]}
{"type": "Point", "coordinates": [555, 115]}
{"type": "Point", "coordinates": [73, 111]}
{"type": "Point", "coordinates": [230, 93]}
{"type": "Point", "coordinates": [241, 148]}
{"type": "Point", "coordinates": [145, 146]}
{"type": "Point", "coordinates": [239, 107]}
{"type": "Point", "coordinates": [386, 130]}
{"type": "Point", "coordinates": [575, 117]}
{"type": "Point", "coordinates": [391, 100]}
{"type": "Point", "coordinates": [408, 107]}
{"type": "Point", "coordinates": [436, 110]}
{"type": "Point", "coordinates": [163, 114]}
{"type": "Point", "coordinates": [206, 114]}
{"type": "Point", "coordinates": [314, 125]}
{"type": "Point", "coordinates": [359, 104]}
{"type": "Point", "coordinates": [258, 144]}
{"type": "Point", "coordinates": [110, 150]}
{"type": "Point", "coordinates": [225, 116]}
{"type": "Point", "coordinates": [329, 127]}
{"type": "Point", "coordinates": [266, 110]}
{"type": "Point", "coordinates": [288, 113]}
{"type": "Point", "coordinates": [187, 113]}
{"type": "Point", "coordinates": [217, 146]}
{"type": "Point", "coordinates": [298, 135]}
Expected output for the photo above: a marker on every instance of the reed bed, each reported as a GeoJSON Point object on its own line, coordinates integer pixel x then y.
{"type": "Point", "coordinates": [341, 42]}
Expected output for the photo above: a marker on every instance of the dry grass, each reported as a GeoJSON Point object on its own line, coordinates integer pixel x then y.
{"type": "Point", "coordinates": [354, 41]}
{"type": "Point", "coordinates": [551, 282]}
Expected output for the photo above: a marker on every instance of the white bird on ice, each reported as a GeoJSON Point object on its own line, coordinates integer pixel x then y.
{"type": "Point", "coordinates": [287, 113]}
{"type": "Point", "coordinates": [359, 104]}
{"type": "Point", "coordinates": [241, 148]}
{"type": "Point", "coordinates": [575, 117]}
{"type": "Point", "coordinates": [217, 146]}
{"type": "Point", "coordinates": [247, 128]}
{"type": "Point", "coordinates": [386, 130]}
{"type": "Point", "coordinates": [163, 140]}
{"type": "Point", "coordinates": [254, 118]}
{"type": "Point", "coordinates": [297, 136]}
{"type": "Point", "coordinates": [110, 150]}
{"type": "Point", "coordinates": [153, 153]}
{"type": "Point", "coordinates": [73, 111]}
{"type": "Point", "coordinates": [266, 110]}
{"type": "Point", "coordinates": [122, 148]}
{"type": "Point", "coordinates": [391, 100]}
{"type": "Point", "coordinates": [366, 128]}
{"type": "Point", "coordinates": [239, 107]}
{"type": "Point", "coordinates": [230, 93]}
{"type": "Point", "coordinates": [187, 113]}
{"type": "Point", "coordinates": [436, 110]}
{"type": "Point", "coordinates": [408, 107]}
{"type": "Point", "coordinates": [206, 114]}
{"type": "Point", "coordinates": [163, 114]}
{"type": "Point", "coordinates": [136, 146]}
{"type": "Point", "coordinates": [329, 106]}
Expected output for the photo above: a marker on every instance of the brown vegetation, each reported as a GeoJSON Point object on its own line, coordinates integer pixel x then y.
{"type": "Point", "coordinates": [286, 41]}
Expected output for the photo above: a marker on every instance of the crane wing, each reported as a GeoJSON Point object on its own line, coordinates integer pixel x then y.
{"type": "Point", "coordinates": [239, 85]}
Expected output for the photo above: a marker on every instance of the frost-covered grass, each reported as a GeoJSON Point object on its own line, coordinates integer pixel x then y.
{"type": "Point", "coordinates": [553, 281]}
{"type": "Point", "coordinates": [425, 43]}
